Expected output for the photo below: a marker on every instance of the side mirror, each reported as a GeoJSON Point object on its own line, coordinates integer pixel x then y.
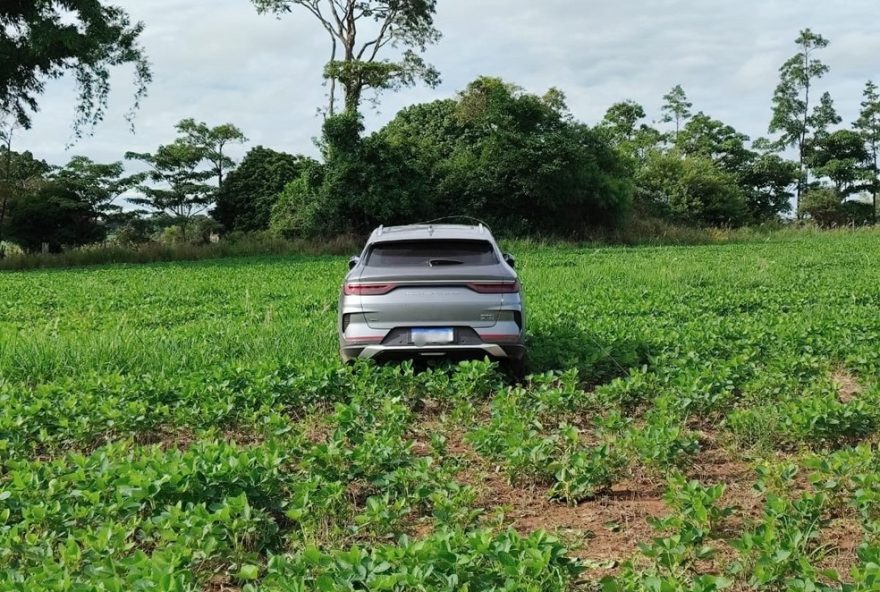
{"type": "Point", "coordinates": [510, 259]}
{"type": "Point", "coordinates": [353, 261]}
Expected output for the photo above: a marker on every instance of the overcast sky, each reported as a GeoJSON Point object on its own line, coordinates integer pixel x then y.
{"type": "Point", "coordinates": [218, 61]}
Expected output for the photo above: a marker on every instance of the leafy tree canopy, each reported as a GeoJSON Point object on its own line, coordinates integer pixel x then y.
{"type": "Point", "coordinates": [713, 139]}
{"type": "Point", "coordinates": [213, 141]}
{"type": "Point", "coordinates": [55, 215]}
{"type": "Point", "coordinates": [840, 157]}
{"type": "Point", "coordinates": [43, 39]}
{"type": "Point", "coordinates": [96, 184]}
{"type": "Point", "coordinates": [245, 201]}
{"type": "Point", "coordinates": [178, 181]}
{"type": "Point", "coordinates": [514, 159]}
{"type": "Point", "coordinates": [764, 179]}
{"type": "Point", "coordinates": [691, 190]}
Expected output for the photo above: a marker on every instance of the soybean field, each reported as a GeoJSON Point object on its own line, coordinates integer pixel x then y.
{"type": "Point", "coordinates": [697, 419]}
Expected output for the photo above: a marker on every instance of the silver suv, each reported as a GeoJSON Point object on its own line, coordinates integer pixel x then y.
{"type": "Point", "coordinates": [432, 291]}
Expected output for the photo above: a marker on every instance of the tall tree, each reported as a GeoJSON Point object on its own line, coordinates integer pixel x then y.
{"type": "Point", "coordinates": [245, 200]}
{"type": "Point", "coordinates": [213, 140]}
{"type": "Point", "coordinates": [621, 120]}
{"type": "Point", "coordinates": [676, 108]}
{"type": "Point", "coordinates": [621, 127]}
{"type": "Point", "coordinates": [868, 127]}
{"type": "Point", "coordinates": [765, 179]}
{"type": "Point", "coordinates": [96, 184]}
{"type": "Point", "coordinates": [360, 30]}
{"type": "Point", "coordinates": [179, 181]}
{"type": "Point", "coordinates": [43, 39]}
{"type": "Point", "coordinates": [791, 100]}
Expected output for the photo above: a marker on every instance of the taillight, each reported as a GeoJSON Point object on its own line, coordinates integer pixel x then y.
{"type": "Point", "coordinates": [355, 289]}
{"type": "Point", "coordinates": [494, 287]}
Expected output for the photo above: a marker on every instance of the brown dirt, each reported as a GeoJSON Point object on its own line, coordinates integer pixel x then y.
{"type": "Point", "coordinates": [316, 428]}
{"type": "Point", "coordinates": [715, 465]}
{"type": "Point", "coordinates": [221, 583]}
{"type": "Point", "coordinates": [842, 538]}
{"type": "Point", "coordinates": [848, 386]}
{"type": "Point", "coordinates": [605, 530]}
{"type": "Point", "coordinates": [169, 438]}
{"type": "Point", "coordinates": [181, 438]}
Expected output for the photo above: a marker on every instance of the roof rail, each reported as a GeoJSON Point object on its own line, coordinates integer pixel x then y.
{"type": "Point", "coordinates": [381, 229]}
{"type": "Point", "coordinates": [482, 225]}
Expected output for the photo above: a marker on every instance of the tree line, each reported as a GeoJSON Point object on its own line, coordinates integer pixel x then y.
{"type": "Point", "coordinates": [520, 161]}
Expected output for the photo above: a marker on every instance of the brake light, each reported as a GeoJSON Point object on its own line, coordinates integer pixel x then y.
{"type": "Point", "coordinates": [355, 289]}
{"type": "Point", "coordinates": [495, 287]}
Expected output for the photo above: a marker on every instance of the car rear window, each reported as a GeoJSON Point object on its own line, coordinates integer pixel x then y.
{"type": "Point", "coordinates": [432, 253]}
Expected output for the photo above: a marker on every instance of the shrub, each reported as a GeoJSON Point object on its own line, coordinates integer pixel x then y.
{"type": "Point", "coordinates": [690, 190]}
{"type": "Point", "coordinates": [823, 206]}
{"type": "Point", "coordinates": [55, 215]}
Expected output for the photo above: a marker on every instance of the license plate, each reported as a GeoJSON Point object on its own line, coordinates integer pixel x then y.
{"type": "Point", "coordinates": [432, 336]}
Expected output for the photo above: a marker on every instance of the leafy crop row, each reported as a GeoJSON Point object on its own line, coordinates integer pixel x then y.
{"type": "Point", "coordinates": [188, 426]}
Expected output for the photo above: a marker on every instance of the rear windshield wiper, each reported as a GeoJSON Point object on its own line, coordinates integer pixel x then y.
{"type": "Point", "coordinates": [435, 262]}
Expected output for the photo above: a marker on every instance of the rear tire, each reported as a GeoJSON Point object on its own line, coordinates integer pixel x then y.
{"type": "Point", "coordinates": [517, 369]}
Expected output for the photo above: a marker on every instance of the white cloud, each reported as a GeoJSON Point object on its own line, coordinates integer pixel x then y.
{"type": "Point", "coordinates": [218, 61]}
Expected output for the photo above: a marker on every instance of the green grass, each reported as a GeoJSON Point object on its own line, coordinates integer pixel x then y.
{"type": "Point", "coordinates": [174, 424]}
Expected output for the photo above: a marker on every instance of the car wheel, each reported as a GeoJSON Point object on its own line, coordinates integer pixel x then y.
{"type": "Point", "coordinates": [517, 369]}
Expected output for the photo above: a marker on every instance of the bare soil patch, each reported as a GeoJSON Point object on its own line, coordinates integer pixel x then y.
{"type": "Point", "coordinates": [848, 386]}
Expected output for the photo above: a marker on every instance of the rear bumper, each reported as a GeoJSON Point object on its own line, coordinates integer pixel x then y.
{"type": "Point", "coordinates": [381, 353]}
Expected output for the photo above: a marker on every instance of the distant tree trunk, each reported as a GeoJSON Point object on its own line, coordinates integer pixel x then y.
{"type": "Point", "coordinates": [803, 176]}
{"type": "Point", "coordinates": [7, 178]}
{"type": "Point", "coordinates": [332, 110]}
{"type": "Point", "coordinates": [875, 183]}
{"type": "Point", "coordinates": [220, 168]}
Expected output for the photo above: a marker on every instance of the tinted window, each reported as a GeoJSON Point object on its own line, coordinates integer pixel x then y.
{"type": "Point", "coordinates": [433, 253]}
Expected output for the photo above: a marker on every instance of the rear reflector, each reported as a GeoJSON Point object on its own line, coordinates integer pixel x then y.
{"type": "Point", "coordinates": [495, 287]}
{"type": "Point", "coordinates": [354, 289]}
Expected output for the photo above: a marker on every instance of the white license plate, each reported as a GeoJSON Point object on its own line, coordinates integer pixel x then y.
{"type": "Point", "coordinates": [432, 336]}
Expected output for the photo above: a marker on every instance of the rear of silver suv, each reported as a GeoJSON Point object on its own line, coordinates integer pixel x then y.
{"type": "Point", "coordinates": [432, 291]}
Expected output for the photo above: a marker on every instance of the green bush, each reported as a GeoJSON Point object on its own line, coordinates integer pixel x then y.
{"type": "Point", "coordinates": [56, 216]}
{"type": "Point", "coordinates": [690, 190]}
{"type": "Point", "coordinates": [823, 206]}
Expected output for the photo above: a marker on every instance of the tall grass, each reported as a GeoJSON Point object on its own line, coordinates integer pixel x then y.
{"type": "Point", "coordinates": [640, 232]}
{"type": "Point", "coordinates": [248, 246]}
